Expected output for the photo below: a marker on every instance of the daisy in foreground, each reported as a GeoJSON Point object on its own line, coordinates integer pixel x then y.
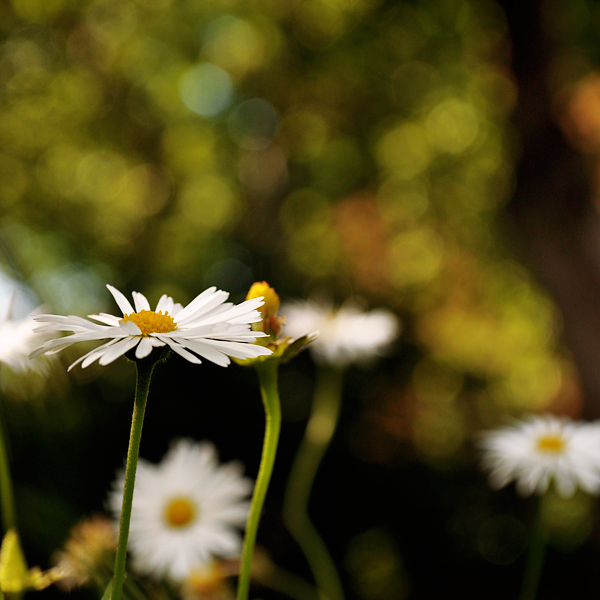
{"type": "Point", "coordinates": [346, 336]}
{"type": "Point", "coordinates": [207, 327]}
{"type": "Point", "coordinates": [544, 449]}
{"type": "Point", "coordinates": [186, 511]}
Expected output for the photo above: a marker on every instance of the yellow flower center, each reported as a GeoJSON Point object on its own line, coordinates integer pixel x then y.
{"type": "Point", "coordinates": [180, 512]}
{"type": "Point", "coordinates": [553, 444]}
{"type": "Point", "coordinates": [151, 322]}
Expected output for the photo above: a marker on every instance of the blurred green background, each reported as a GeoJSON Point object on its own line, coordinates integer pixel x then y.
{"type": "Point", "coordinates": [435, 157]}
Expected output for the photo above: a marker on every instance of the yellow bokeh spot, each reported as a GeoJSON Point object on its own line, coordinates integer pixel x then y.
{"type": "Point", "coordinates": [551, 444]}
{"type": "Point", "coordinates": [38, 11]}
{"type": "Point", "coordinates": [151, 322]}
{"type": "Point", "coordinates": [210, 202]}
{"type": "Point", "coordinates": [180, 512]}
{"type": "Point", "coordinates": [405, 150]}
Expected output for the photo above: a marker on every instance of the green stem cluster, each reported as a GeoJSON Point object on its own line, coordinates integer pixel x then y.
{"type": "Point", "coordinates": [144, 374]}
{"type": "Point", "coordinates": [267, 376]}
{"type": "Point", "coordinates": [320, 428]}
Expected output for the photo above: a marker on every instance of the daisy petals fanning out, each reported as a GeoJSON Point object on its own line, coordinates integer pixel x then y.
{"type": "Point", "coordinates": [208, 327]}
{"type": "Point", "coordinates": [541, 450]}
{"type": "Point", "coordinates": [187, 510]}
{"type": "Point", "coordinates": [346, 336]}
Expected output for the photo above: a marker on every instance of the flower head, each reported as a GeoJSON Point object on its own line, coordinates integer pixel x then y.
{"type": "Point", "coordinates": [17, 340]}
{"type": "Point", "coordinates": [210, 582]}
{"type": "Point", "coordinates": [186, 510]}
{"type": "Point", "coordinates": [347, 335]}
{"type": "Point", "coordinates": [88, 553]}
{"type": "Point", "coordinates": [283, 348]}
{"type": "Point", "coordinates": [543, 449]}
{"type": "Point", "coordinates": [207, 327]}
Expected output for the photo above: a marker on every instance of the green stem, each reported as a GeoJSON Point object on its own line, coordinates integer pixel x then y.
{"type": "Point", "coordinates": [7, 498]}
{"type": "Point", "coordinates": [535, 557]}
{"type": "Point", "coordinates": [267, 376]}
{"type": "Point", "coordinates": [317, 437]}
{"type": "Point", "coordinates": [144, 374]}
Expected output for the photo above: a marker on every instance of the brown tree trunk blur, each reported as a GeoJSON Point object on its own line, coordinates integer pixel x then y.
{"type": "Point", "coordinates": [552, 210]}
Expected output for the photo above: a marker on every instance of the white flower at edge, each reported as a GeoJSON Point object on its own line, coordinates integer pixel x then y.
{"type": "Point", "coordinates": [207, 327]}
{"type": "Point", "coordinates": [17, 340]}
{"type": "Point", "coordinates": [186, 511]}
{"type": "Point", "coordinates": [543, 449]}
{"type": "Point", "coordinates": [346, 336]}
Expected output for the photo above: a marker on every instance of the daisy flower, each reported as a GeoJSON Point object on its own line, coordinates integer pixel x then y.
{"type": "Point", "coordinates": [186, 511]}
{"type": "Point", "coordinates": [543, 449]}
{"type": "Point", "coordinates": [207, 327]}
{"type": "Point", "coordinates": [17, 340]}
{"type": "Point", "coordinates": [346, 336]}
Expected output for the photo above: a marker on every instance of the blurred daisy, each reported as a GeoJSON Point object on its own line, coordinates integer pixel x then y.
{"type": "Point", "coordinates": [208, 327]}
{"type": "Point", "coordinates": [544, 449]}
{"type": "Point", "coordinates": [346, 336]}
{"type": "Point", "coordinates": [17, 340]}
{"type": "Point", "coordinates": [186, 511]}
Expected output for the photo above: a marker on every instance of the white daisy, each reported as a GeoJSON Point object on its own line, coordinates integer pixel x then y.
{"type": "Point", "coordinates": [346, 336]}
{"type": "Point", "coordinates": [544, 449]}
{"type": "Point", "coordinates": [186, 511]}
{"type": "Point", "coordinates": [208, 327]}
{"type": "Point", "coordinates": [17, 340]}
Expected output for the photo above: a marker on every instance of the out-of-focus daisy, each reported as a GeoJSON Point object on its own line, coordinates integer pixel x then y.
{"type": "Point", "coordinates": [186, 510]}
{"type": "Point", "coordinates": [346, 336]}
{"type": "Point", "coordinates": [17, 340]}
{"type": "Point", "coordinates": [210, 582]}
{"type": "Point", "coordinates": [543, 449]}
{"type": "Point", "coordinates": [88, 553]}
{"type": "Point", "coordinates": [207, 327]}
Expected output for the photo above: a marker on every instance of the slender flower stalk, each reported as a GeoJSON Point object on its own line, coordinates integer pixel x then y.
{"type": "Point", "coordinates": [536, 554]}
{"type": "Point", "coordinates": [7, 500]}
{"type": "Point", "coordinates": [281, 349]}
{"type": "Point", "coordinates": [267, 376]}
{"type": "Point", "coordinates": [319, 431]}
{"type": "Point", "coordinates": [346, 336]}
{"type": "Point", "coordinates": [144, 374]}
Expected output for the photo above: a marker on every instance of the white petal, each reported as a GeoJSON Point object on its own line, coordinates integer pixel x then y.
{"type": "Point", "coordinates": [144, 348]}
{"type": "Point", "coordinates": [183, 352]}
{"type": "Point", "coordinates": [201, 304]}
{"type": "Point", "coordinates": [121, 301]}
{"type": "Point", "coordinates": [140, 301]}
{"type": "Point", "coordinates": [118, 349]}
{"type": "Point", "coordinates": [165, 304]}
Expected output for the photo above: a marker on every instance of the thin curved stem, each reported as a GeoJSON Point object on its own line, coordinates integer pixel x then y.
{"type": "Point", "coordinates": [7, 497]}
{"type": "Point", "coordinates": [320, 428]}
{"type": "Point", "coordinates": [267, 376]}
{"type": "Point", "coordinates": [144, 374]}
{"type": "Point", "coordinates": [535, 557]}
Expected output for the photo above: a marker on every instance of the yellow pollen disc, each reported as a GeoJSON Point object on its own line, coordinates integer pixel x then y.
{"type": "Point", "coordinates": [180, 512]}
{"type": "Point", "coordinates": [552, 444]}
{"type": "Point", "coordinates": [151, 322]}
